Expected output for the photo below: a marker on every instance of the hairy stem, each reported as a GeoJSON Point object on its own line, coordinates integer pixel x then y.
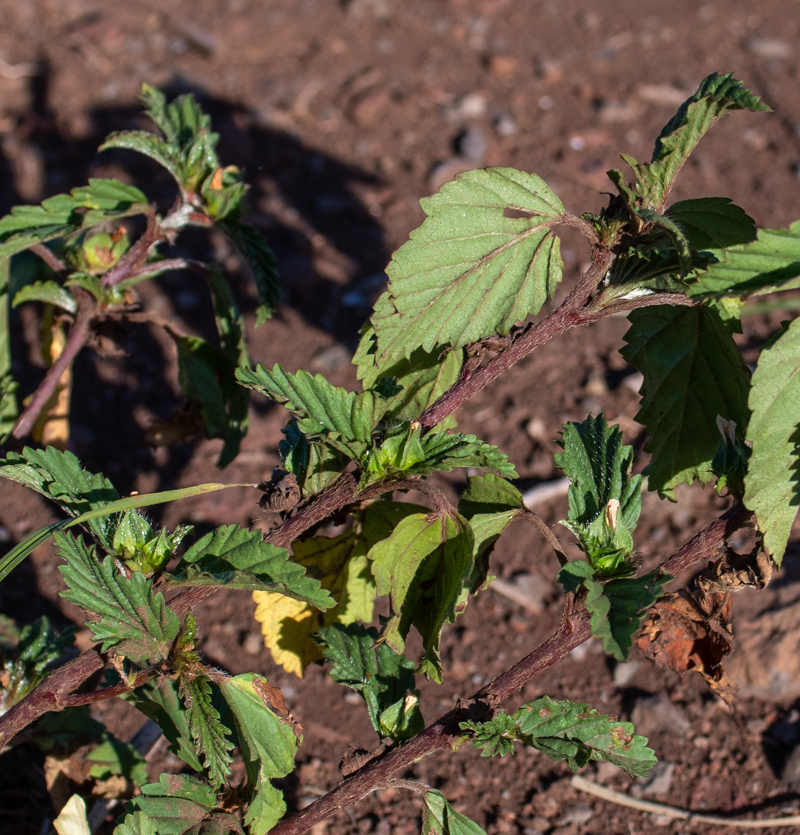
{"type": "Point", "coordinates": [77, 337]}
{"type": "Point", "coordinates": [50, 694]}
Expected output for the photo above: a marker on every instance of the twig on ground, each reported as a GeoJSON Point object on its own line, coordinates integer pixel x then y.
{"type": "Point", "coordinates": [622, 799]}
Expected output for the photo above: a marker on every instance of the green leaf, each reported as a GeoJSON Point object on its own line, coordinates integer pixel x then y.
{"type": "Point", "coordinates": [268, 745]}
{"type": "Point", "coordinates": [239, 558]}
{"type": "Point", "coordinates": [133, 619]}
{"type": "Point", "coordinates": [617, 607]}
{"type": "Point", "coordinates": [598, 466]}
{"type": "Point", "coordinates": [49, 292]}
{"type": "Point", "coordinates": [116, 757]}
{"type": "Point", "coordinates": [440, 818]}
{"type": "Point", "coordinates": [206, 376]}
{"type": "Point", "coordinates": [444, 452]}
{"type": "Point", "coordinates": [63, 214]}
{"type": "Point", "coordinates": [59, 476]}
{"type": "Point", "coordinates": [716, 96]}
{"type": "Point", "coordinates": [771, 262]}
{"type": "Point", "coordinates": [209, 734]}
{"type": "Point", "coordinates": [422, 378]}
{"type": "Point", "coordinates": [772, 483]}
{"type": "Point", "coordinates": [604, 501]}
{"type": "Point", "coordinates": [693, 371]}
{"type": "Point", "coordinates": [423, 567]}
{"type": "Point", "coordinates": [260, 260]}
{"type": "Point", "coordinates": [176, 804]}
{"type": "Point", "coordinates": [25, 656]}
{"type": "Point", "coordinates": [573, 732]}
{"type": "Point", "coordinates": [489, 503]}
{"type": "Point", "coordinates": [161, 702]}
{"type": "Point", "coordinates": [494, 738]}
{"type": "Point", "coordinates": [315, 463]}
{"type": "Point", "coordinates": [712, 222]}
{"type": "Point", "coordinates": [384, 679]}
{"type": "Point", "coordinates": [484, 259]}
{"type": "Point", "coordinates": [9, 410]}
{"type": "Point", "coordinates": [323, 408]}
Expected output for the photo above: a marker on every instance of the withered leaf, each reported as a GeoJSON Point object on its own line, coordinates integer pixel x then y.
{"type": "Point", "coordinates": [686, 631]}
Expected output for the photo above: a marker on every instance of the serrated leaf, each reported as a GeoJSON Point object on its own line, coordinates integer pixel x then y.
{"type": "Point", "coordinates": [573, 732]}
{"type": "Point", "coordinates": [772, 482]}
{"type": "Point", "coordinates": [422, 378]}
{"type": "Point", "coordinates": [49, 292]}
{"type": "Point", "coordinates": [176, 804]}
{"type": "Point", "coordinates": [713, 222]}
{"type": "Point", "coordinates": [598, 466]}
{"type": "Point", "coordinates": [268, 745]}
{"type": "Point", "coordinates": [443, 452]}
{"type": "Point", "coordinates": [322, 407]}
{"type": "Point", "coordinates": [693, 371]}
{"type": "Point", "coordinates": [440, 818]}
{"type": "Point", "coordinates": [134, 620]}
{"type": "Point", "coordinates": [484, 259]}
{"type": "Point", "coordinates": [260, 260]}
{"type": "Point", "coordinates": [161, 702]}
{"type": "Point", "coordinates": [716, 96]}
{"type": "Point", "coordinates": [209, 734]}
{"type": "Point", "coordinates": [770, 263]}
{"type": "Point", "coordinates": [239, 558]}
{"type": "Point", "coordinates": [494, 738]}
{"type": "Point", "coordinates": [59, 476]}
{"type": "Point", "coordinates": [617, 607]}
{"type": "Point", "coordinates": [384, 679]}
{"type": "Point", "coordinates": [63, 214]}
{"type": "Point", "coordinates": [423, 567]}
{"type": "Point", "coordinates": [489, 504]}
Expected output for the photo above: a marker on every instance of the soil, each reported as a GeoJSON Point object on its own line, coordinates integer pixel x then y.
{"type": "Point", "coordinates": [342, 115]}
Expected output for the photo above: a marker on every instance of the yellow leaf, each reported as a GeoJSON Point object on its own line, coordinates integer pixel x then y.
{"type": "Point", "coordinates": [72, 820]}
{"type": "Point", "coordinates": [52, 426]}
{"type": "Point", "coordinates": [286, 625]}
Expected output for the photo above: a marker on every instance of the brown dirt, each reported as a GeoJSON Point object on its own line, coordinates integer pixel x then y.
{"type": "Point", "coordinates": [344, 114]}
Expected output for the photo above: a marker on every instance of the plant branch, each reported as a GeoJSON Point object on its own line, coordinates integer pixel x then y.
{"type": "Point", "coordinates": [444, 734]}
{"type": "Point", "coordinates": [50, 695]}
{"type": "Point", "coordinates": [78, 336]}
{"type": "Point", "coordinates": [135, 258]}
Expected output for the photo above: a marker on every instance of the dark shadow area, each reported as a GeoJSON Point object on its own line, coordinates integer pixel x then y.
{"type": "Point", "coordinates": [329, 249]}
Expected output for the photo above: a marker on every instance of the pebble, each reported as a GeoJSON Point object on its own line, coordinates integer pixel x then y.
{"type": "Point", "coordinates": [468, 106]}
{"type": "Point", "coordinates": [657, 713]}
{"type": "Point", "coordinates": [331, 359]}
{"type": "Point", "coordinates": [659, 780]}
{"type": "Point", "coordinates": [506, 125]}
{"type": "Point", "coordinates": [625, 672]}
{"type": "Point", "coordinates": [472, 145]}
{"type": "Point", "coordinates": [578, 813]}
{"type": "Point", "coordinates": [770, 48]}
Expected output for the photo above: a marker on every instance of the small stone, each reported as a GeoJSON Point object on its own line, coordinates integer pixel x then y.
{"type": "Point", "coordinates": [624, 673]}
{"type": "Point", "coordinates": [472, 145]}
{"type": "Point", "coordinates": [506, 125]}
{"type": "Point", "coordinates": [253, 643]}
{"type": "Point", "coordinates": [331, 359]}
{"type": "Point", "coordinates": [770, 48]}
{"type": "Point", "coordinates": [659, 780]}
{"type": "Point", "coordinates": [469, 106]}
{"type": "Point", "coordinates": [657, 713]}
{"type": "Point", "coordinates": [503, 66]}
{"type": "Point", "coordinates": [578, 813]}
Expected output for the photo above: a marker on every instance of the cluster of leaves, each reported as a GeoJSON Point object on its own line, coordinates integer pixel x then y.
{"type": "Point", "coordinates": [485, 259]}
{"type": "Point", "coordinates": [91, 267]}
